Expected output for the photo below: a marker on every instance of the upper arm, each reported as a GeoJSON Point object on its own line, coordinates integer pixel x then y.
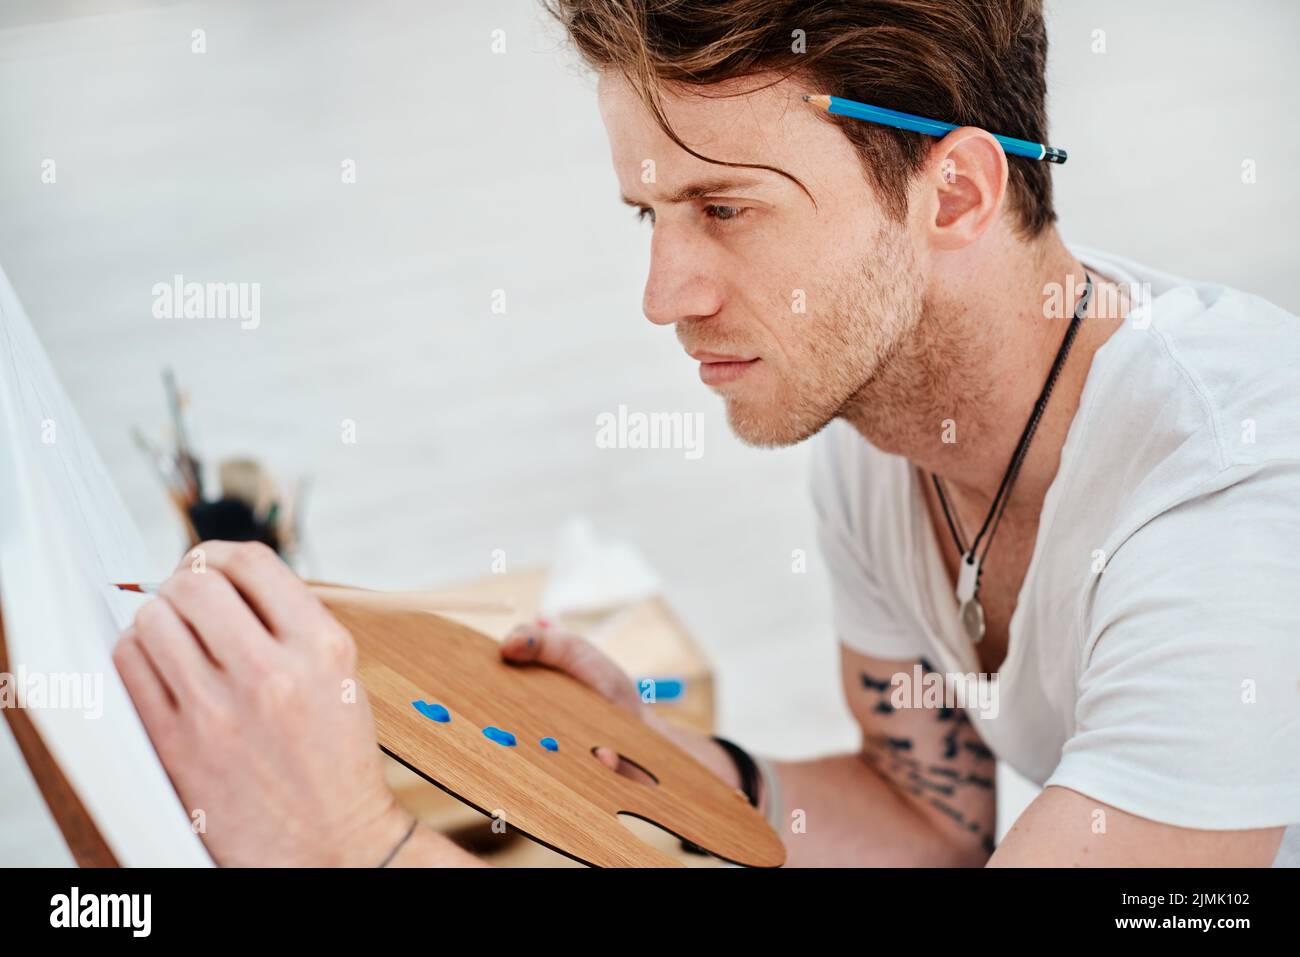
{"type": "Point", "coordinates": [1063, 828]}
{"type": "Point", "coordinates": [932, 757]}
{"type": "Point", "coordinates": [1187, 706]}
{"type": "Point", "coordinates": [1183, 746]}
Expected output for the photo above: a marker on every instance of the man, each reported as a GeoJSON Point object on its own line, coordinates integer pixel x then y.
{"type": "Point", "coordinates": [908, 298]}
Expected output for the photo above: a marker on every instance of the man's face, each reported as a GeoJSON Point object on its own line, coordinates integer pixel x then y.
{"type": "Point", "coordinates": [790, 308]}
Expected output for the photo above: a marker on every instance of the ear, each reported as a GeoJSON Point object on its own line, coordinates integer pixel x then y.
{"type": "Point", "coordinates": [963, 185]}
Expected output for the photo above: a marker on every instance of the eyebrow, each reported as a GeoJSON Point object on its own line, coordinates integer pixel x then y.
{"type": "Point", "coordinates": [702, 189]}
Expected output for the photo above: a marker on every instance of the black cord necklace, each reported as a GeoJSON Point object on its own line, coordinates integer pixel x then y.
{"type": "Point", "coordinates": [970, 566]}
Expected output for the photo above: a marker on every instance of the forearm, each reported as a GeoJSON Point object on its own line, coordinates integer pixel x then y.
{"type": "Point", "coordinates": [838, 811]}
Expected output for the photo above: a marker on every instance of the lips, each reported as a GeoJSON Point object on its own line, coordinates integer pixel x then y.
{"type": "Point", "coordinates": [719, 357]}
{"type": "Point", "coordinates": [720, 371]}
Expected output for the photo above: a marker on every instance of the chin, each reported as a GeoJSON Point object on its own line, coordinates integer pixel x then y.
{"type": "Point", "coordinates": [773, 425]}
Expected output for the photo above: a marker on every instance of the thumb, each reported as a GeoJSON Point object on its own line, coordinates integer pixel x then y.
{"type": "Point", "coordinates": [564, 651]}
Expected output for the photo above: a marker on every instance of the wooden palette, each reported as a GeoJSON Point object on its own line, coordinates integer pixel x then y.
{"type": "Point", "coordinates": [565, 799]}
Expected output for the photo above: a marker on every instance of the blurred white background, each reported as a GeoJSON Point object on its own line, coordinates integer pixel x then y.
{"type": "Point", "coordinates": [478, 171]}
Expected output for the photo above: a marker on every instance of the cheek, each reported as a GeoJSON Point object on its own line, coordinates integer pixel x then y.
{"type": "Point", "coordinates": [802, 319]}
{"type": "Point", "coordinates": [783, 300]}
{"type": "Point", "coordinates": [802, 279]}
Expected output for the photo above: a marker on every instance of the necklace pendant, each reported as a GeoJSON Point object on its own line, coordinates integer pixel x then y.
{"type": "Point", "coordinates": [972, 619]}
{"type": "Point", "coordinates": [972, 612]}
{"type": "Point", "coordinates": [968, 578]}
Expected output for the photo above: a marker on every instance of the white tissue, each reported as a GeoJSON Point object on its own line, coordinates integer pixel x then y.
{"type": "Point", "coordinates": [589, 575]}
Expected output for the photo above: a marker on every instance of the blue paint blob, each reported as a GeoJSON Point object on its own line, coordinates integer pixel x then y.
{"type": "Point", "coordinates": [434, 712]}
{"type": "Point", "coordinates": [654, 690]}
{"type": "Point", "coordinates": [504, 738]}
{"type": "Point", "coordinates": [550, 744]}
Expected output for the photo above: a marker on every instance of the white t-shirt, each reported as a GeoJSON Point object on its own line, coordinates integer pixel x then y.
{"type": "Point", "coordinates": [1168, 683]}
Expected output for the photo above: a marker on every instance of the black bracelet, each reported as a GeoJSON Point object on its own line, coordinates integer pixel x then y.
{"type": "Point", "coordinates": [749, 778]}
{"type": "Point", "coordinates": [746, 767]}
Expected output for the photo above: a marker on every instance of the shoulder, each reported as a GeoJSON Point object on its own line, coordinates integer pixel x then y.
{"type": "Point", "coordinates": [1185, 473]}
{"type": "Point", "coordinates": [1204, 360]}
{"type": "Point", "coordinates": [1193, 443]}
{"type": "Point", "coordinates": [1196, 392]}
{"type": "Point", "coordinates": [1240, 355]}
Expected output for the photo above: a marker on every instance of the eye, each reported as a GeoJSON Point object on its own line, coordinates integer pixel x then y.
{"type": "Point", "coordinates": [724, 213]}
{"type": "Point", "coordinates": [644, 213]}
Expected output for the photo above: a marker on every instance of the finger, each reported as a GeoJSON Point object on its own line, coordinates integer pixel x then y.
{"type": "Point", "coordinates": [174, 652]}
{"type": "Point", "coordinates": [616, 762]}
{"type": "Point", "coordinates": [520, 645]}
{"type": "Point", "coordinates": [631, 771]}
{"type": "Point", "coordinates": [608, 757]}
{"type": "Point", "coordinates": [153, 702]}
{"type": "Point", "coordinates": [270, 588]}
{"type": "Point", "coordinates": [564, 651]}
{"type": "Point", "coordinates": [538, 643]}
{"type": "Point", "coordinates": [143, 683]}
{"type": "Point", "coordinates": [211, 607]}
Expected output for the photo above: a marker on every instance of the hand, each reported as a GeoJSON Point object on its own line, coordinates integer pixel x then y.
{"type": "Point", "coordinates": [540, 643]}
{"type": "Point", "coordinates": [247, 687]}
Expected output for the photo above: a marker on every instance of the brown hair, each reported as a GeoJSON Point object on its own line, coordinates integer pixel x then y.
{"type": "Point", "coordinates": [970, 62]}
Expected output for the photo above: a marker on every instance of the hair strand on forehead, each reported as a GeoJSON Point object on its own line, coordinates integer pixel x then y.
{"type": "Point", "coordinates": [649, 91]}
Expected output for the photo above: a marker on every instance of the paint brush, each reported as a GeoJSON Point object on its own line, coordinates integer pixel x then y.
{"type": "Point", "coordinates": [170, 476]}
{"type": "Point", "coordinates": [409, 600]}
{"type": "Point", "coordinates": [185, 460]}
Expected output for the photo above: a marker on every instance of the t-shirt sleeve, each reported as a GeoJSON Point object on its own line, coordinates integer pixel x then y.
{"type": "Point", "coordinates": [1189, 695]}
{"type": "Point", "coordinates": [860, 610]}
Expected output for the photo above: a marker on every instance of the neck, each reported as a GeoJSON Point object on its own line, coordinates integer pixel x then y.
{"type": "Point", "coordinates": [955, 396]}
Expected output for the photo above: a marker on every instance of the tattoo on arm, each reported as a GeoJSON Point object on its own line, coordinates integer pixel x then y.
{"type": "Point", "coordinates": [962, 767]}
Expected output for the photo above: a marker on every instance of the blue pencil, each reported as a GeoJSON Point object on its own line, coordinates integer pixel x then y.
{"type": "Point", "coordinates": [919, 124]}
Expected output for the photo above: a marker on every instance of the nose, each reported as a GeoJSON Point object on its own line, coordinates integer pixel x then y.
{"type": "Point", "coordinates": [681, 284]}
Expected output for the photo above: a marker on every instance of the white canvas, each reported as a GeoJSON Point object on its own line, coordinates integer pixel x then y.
{"type": "Point", "coordinates": [64, 536]}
